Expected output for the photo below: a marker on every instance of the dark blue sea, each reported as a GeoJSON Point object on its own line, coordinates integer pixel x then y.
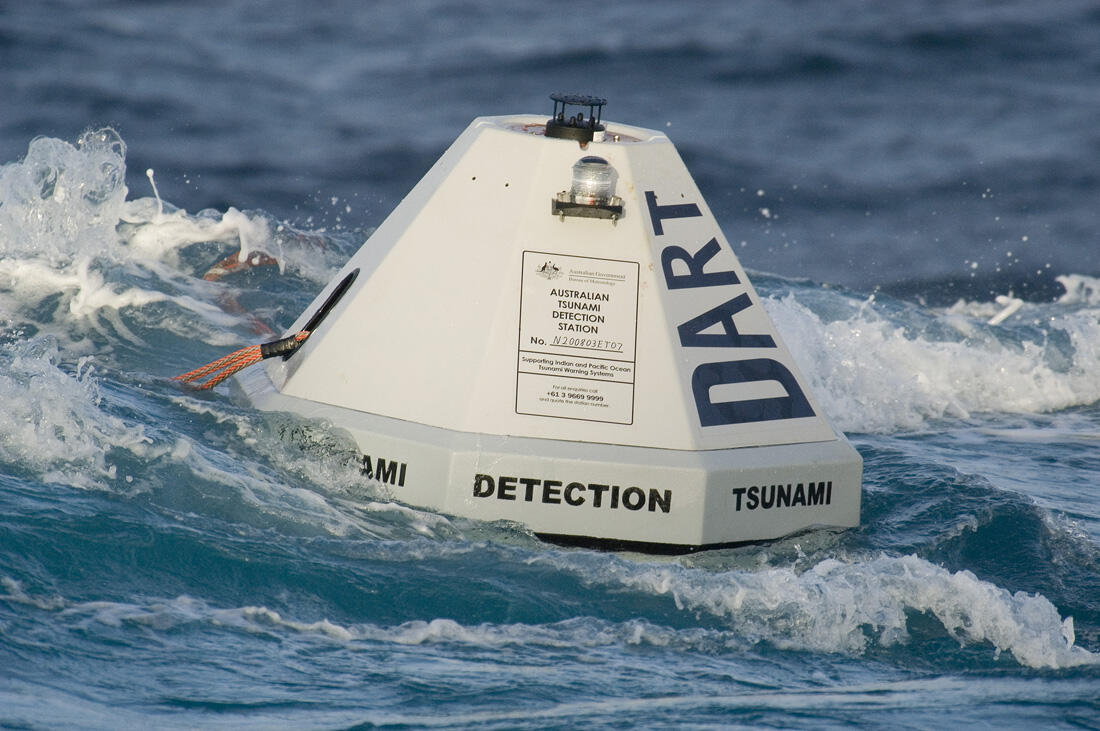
{"type": "Point", "coordinates": [914, 188]}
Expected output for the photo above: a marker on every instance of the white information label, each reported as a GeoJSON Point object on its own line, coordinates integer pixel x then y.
{"type": "Point", "coordinates": [578, 328]}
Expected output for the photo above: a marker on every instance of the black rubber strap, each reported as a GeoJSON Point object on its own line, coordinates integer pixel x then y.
{"type": "Point", "coordinates": [286, 346]}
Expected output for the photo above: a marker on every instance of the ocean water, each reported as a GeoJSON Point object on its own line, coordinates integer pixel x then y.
{"type": "Point", "coordinates": [913, 187]}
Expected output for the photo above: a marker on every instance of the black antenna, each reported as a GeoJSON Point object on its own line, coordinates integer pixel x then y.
{"type": "Point", "coordinates": [575, 126]}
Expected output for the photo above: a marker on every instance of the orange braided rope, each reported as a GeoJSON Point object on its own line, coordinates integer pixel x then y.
{"type": "Point", "coordinates": [238, 360]}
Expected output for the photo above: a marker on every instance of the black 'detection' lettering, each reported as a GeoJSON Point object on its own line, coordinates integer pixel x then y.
{"type": "Point", "coordinates": [574, 494]}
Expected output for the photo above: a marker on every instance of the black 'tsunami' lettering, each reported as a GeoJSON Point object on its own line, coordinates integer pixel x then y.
{"type": "Point", "coordinates": [383, 470]}
{"type": "Point", "coordinates": [790, 495]}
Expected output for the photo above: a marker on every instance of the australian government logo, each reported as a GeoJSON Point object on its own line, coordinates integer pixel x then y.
{"type": "Point", "coordinates": [548, 270]}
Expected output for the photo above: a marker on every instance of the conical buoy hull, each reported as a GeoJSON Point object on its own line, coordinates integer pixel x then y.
{"type": "Point", "coordinates": [556, 332]}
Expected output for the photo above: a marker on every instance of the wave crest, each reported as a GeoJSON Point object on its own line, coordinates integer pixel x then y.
{"type": "Point", "coordinates": [880, 366]}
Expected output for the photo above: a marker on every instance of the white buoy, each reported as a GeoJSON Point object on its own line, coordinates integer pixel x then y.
{"type": "Point", "coordinates": [552, 329]}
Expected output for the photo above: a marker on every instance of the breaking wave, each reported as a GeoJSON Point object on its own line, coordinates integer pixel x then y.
{"type": "Point", "coordinates": [834, 607]}
{"type": "Point", "coordinates": [880, 365]}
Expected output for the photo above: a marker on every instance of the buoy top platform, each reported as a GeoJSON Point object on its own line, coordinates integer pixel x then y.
{"type": "Point", "coordinates": [552, 329]}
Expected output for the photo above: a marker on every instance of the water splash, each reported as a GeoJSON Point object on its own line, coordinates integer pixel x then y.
{"type": "Point", "coordinates": [1080, 290]}
{"type": "Point", "coordinates": [62, 200]}
{"type": "Point", "coordinates": [880, 366]}
{"type": "Point", "coordinates": [53, 422]}
{"type": "Point", "coordinates": [76, 255]}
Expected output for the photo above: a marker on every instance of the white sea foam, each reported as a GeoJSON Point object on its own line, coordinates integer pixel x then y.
{"type": "Point", "coordinates": [52, 420]}
{"type": "Point", "coordinates": [170, 613]}
{"type": "Point", "coordinates": [155, 235]}
{"type": "Point", "coordinates": [64, 202]}
{"type": "Point", "coordinates": [843, 606]}
{"type": "Point", "coordinates": [1080, 290]}
{"type": "Point", "coordinates": [835, 607]}
{"type": "Point", "coordinates": [68, 233]}
{"type": "Point", "coordinates": [877, 372]}
{"type": "Point", "coordinates": [15, 594]}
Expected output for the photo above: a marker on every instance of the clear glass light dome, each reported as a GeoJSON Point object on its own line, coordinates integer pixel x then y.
{"type": "Point", "coordinates": [593, 181]}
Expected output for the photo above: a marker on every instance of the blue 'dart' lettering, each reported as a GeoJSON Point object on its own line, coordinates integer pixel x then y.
{"type": "Point", "coordinates": [695, 277]}
{"type": "Point", "coordinates": [695, 333]}
{"type": "Point", "coordinates": [692, 335]}
{"type": "Point", "coordinates": [792, 406]}
{"type": "Point", "coordinates": [659, 213]}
